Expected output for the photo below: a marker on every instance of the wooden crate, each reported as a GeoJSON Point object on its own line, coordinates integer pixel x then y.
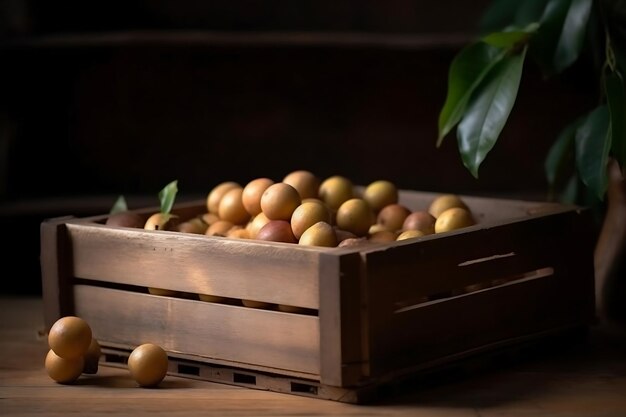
{"type": "Point", "coordinates": [369, 315]}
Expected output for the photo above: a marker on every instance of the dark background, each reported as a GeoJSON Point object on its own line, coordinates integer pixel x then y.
{"type": "Point", "coordinates": [104, 98]}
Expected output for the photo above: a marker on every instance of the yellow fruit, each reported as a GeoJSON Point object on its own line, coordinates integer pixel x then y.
{"type": "Point", "coordinates": [335, 190]}
{"type": "Point", "coordinates": [444, 202]}
{"type": "Point", "coordinates": [383, 236]}
{"type": "Point", "coordinates": [162, 221]}
{"type": "Point", "coordinates": [231, 207]}
{"type": "Point", "coordinates": [252, 192]}
{"type": "Point", "coordinates": [219, 228]}
{"type": "Point", "coordinates": [256, 224]}
{"type": "Point", "coordinates": [63, 371]}
{"type": "Point", "coordinates": [279, 201]}
{"type": "Point", "coordinates": [409, 234]}
{"type": "Point", "coordinates": [320, 234]}
{"type": "Point", "coordinates": [355, 216]}
{"type": "Point", "coordinates": [306, 215]}
{"type": "Point", "coordinates": [70, 337]}
{"type": "Point", "coordinates": [148, 364]}
{"type": "Point", "coordinates": [216, 194]}
{"type": "Point", "coordinates": [379, 194]}
{"type": "Point", "coordinates": [452, 219]}
{"type": "Point", "coordinates": [305, 182]}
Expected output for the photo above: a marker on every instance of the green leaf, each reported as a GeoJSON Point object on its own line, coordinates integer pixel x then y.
{"type": "Point", "coordinates": [510, 38]}
{"type": "Point", "coordinates": [560, 159]}
{"type": "Point", "coordinates": [569, 195]}
{"type": "Point", "coordinates": [467, 70]}
{"type": "Point", "coordinates": [560, 38]}
{"type": "Point", "coordinates": [572, 34]}
{"type": "Point", "coordinates": [529, 11]}
{"type": "Point", "coordinates": [593, 141]}
{"type": "Point", "coordinates": [489, 110]}
{"type": "Point", "coordinates": [616, 101]}
{"type": "Point", "coordinates": [498, 15]}
{"type": "Point", "coordinates": [167, 196]}
{"type": "Point", "coordinates": [119, 205]}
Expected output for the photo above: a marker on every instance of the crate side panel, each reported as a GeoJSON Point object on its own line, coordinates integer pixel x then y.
{"type": "Point", "coordinates": [552, 267]}
{"type": "Point", "coordinates": [227, 333]}
{"type": "Point", "coordinates": [443, 264]}
{"type": "Point", "coordinates": [341, 350]}
{"type": "Point", "coordinates": [197, 264]}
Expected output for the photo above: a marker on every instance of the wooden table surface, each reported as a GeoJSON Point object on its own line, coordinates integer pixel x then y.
{"type": "Point", "coordinates": [585, 379]}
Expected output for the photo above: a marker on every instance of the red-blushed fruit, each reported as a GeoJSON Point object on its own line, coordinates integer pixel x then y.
{"type": "Point", "coordinates": [392, 216]}
{"type": "Point", "coordinates": [420, 220]}
{"type": "Point", "coordinates": [277, 231]}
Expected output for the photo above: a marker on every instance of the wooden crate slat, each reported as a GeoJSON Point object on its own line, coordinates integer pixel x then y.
{"type": "Point", "coordinates": [274, 273]}
{"type": "Point", "coordinates": [242, 335]}
{"type": "Point", "coordinates": [433, 265]}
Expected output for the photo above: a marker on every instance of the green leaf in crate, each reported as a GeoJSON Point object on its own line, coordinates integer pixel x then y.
{"type": "Point", "coordinates": [497, 16]}
{"type": "Point", "coordinates": [467, 70]}
{"type": "Point", "coordinates": [593, 142]}
{"type": "Point", "coordinates": [616, 102]}
{"type": "Point", "coordinates": [167, 196]}
{"type": "Point", "coordinates": [488, 111]}
{"type": "Point", "coordinates": [529, 11]}
{"type": "Point", "coordinates": [119, 205]}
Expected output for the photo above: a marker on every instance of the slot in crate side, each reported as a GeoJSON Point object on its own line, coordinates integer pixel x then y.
{"type": "Point", "coordinates": [273, 273]}
{"type": "Point", "coordinates": [273, 340]}
{"type": "Point", "coordinates": [541, 279]}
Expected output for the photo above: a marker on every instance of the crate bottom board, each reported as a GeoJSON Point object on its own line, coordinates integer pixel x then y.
{"type": "Point", "coordinates": [444, 370]}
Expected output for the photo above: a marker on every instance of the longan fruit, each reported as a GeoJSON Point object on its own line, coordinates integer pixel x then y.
{"type": "Point", "coordinates": [231, 207]}
{"type": "Point", "coordinates": [162, 221]}
{"type": "Point", "coordinates": [277, 231]}
{"type": "Point", "coordinates": [62, 370]}
{"type": "Point", "coordinates": [252, 192]}
{"type": "Point", "coordinates": [215, 195]}
{"type": "Point", "coordinates": [148, 364]}
{"type": "Point", "coordinates": [219, 228]}
{"type": "Point", "coordinates": [409, 234]}
{"type": "Point", "coordinates": [380, 193]}
{"type": "Point", "coordinates": [305, 182]}
{"type": "Point", "coordinates": [392, 216]}
{"type": "Point", "coordinates": [355, 216]}
{"type": "Point", "coordinates": [70, 337]}
{"type": "Point", "coordinates": [383, 236]}
{"type": "Point", "coordinates": [420, 220]}
{"type": "Point", "coordinates": [306, 215]}
{"type": "Point", "coordinates": [454, 218]}
{"type": "Point", "coordinates": [444, 202]}
{"type": "Point", "coordinates": [256, 224]}
{"type": "Point", "coordinates": [319, 234]}
{"type": "Point", "coordinates": [279, 201]}
{"type": "Point", "coordinates": [335, 190]}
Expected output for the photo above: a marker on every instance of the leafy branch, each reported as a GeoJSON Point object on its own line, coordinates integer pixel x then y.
{"type": "Point", "coordinates": [485, 76]}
